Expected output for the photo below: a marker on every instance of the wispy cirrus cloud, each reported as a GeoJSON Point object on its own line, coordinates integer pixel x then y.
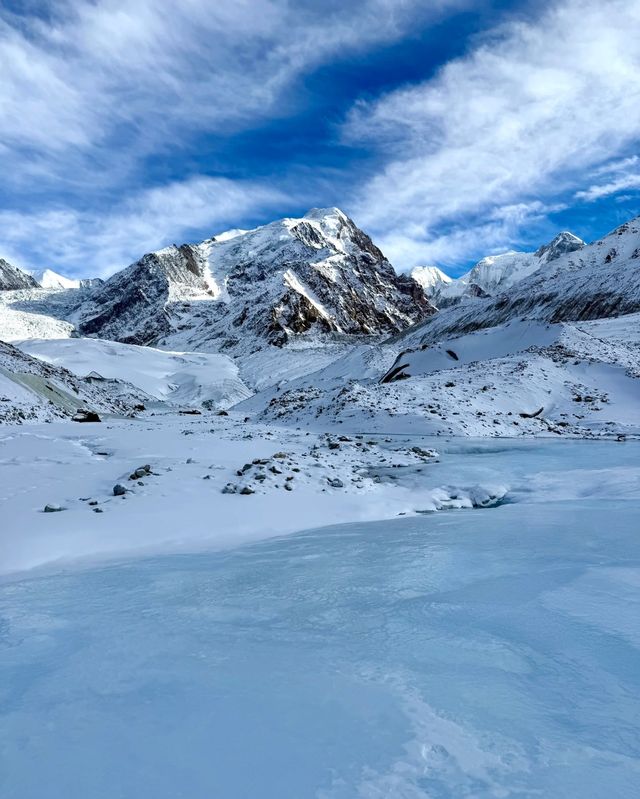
{"type": "Point", "coordinates": [91, 85]}
{"type": "Point", "coordinates": [102, 99]}
{"type": "Point", "coordinates": [524, 116]}
{"type": "Point", "coordinates": [598, 191]}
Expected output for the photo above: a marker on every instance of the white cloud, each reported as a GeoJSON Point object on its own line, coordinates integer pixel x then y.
{"type": "Point", "coordinates": [598, 191]}
{"type": "Point", "coordinates": [96, 244]}
{"type": "Point", "coordinates": [526, 114]}
{"type": "Point", "coordinates": [621, 165]}
{"type": "Point", "coordinates": [94, 86]}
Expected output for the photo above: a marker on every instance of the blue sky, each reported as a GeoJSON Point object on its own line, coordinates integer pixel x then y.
{"type": "Point", "coordinates": [448, 130]}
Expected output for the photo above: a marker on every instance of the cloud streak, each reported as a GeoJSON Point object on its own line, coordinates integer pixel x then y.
{"type": "Point", "coordinates": [98, 83]}
{"type": "Point", "coordinates": [95, 95]}
{"type": "Point", "coordinates": [525, 115]}
{"type": "Point", "coordinates": [93, 243]}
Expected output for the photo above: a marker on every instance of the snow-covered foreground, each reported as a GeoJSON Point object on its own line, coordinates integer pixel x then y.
{"type": "Point", "coordinates": [489, 653]}
{"type": "Point", "coordinates": [219, 481]}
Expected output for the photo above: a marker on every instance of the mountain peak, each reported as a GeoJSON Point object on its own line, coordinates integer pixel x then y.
{"type": "Point", "coordinates": [323, 213]}
{"type": "Point", "coordinates": [49, 279]}
{"type": "Point", "coordinates": [314, 276]}
{"type": "Point", "coordinates": [429, 277]}
{"type": "Point", "coordinates": [565, 242]}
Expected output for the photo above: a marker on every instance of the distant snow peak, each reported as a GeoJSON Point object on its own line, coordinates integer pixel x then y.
{"type": "Point", "coordinates": [494, 273]}
{"type": "Point", "coordinates": [429, 277]}
{"type": "Point", "coordinates": [49, 279]}
{"type": "Point", "coordinates": [562, 244]}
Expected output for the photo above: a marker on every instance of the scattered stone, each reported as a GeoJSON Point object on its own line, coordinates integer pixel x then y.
{"type": "Point", "coordinates": [190, 412]}
{"type": "Point", "coordinates": [190, 460]}
{"type": "Point", "coordinates": [222, 413]}
{"type": "Point", "coordinates": [53, 508]}
{"type": "Point", "coordinates": [119, 490]}
{"type": "Point", "coordinates": [260, 461]}
{"type": "Point", "coordinates": [93, 502]}
{"type": "Point", "coordinates": [246, 490]}
{"type": "Point", "coordinates": [230, 488]}
{"type": "Point", "coordinates": [98, 510]}
{"type": "Point", "coordinates": [334, 445]}
{"type": "Point", "coordinates": [275, 470]}
{"type": "Point", "coordinates": [335, 482]}
{"type": "Point", "coordinates": [423, 453]}
{"type": "Point", "coordinates": [288, 487]}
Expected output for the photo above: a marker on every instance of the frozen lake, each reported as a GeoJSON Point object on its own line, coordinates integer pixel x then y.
{"type": "Point", "coordinates": [467, 653]}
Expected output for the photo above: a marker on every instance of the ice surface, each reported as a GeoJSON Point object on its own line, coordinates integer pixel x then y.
{"type": "Point", "coordinates": [488, 653]}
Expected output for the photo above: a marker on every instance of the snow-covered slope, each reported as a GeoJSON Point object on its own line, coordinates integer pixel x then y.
{"type": "Point", "coordinates": [13, 278]}
{"type": "Point", "coordinates": [521, 378]}
{"type": "Point", "coordinates": [48, 279]}
{"type": "Point", "coordinates": [318, 276]}
{"type": "Point", "coordinates": [182, 378]}
{"type": "Point", "coordinates": [33, 391]}
{"type": "Point", "coordinates": [598, 280]}
{"type": "Point", "coordinates": [495, 273]}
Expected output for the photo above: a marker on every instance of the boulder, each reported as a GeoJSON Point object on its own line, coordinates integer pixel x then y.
{"type": "Point", "coordinates": [82, 415]}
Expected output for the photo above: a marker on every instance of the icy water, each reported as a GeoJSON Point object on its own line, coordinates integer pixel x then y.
{"type": "Point", "coordinates": [469, 653]}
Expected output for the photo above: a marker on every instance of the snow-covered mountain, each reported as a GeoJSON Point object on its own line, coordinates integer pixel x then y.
{"type": "Point", "coordinates": [525, 362]}
{"type": "Point", "coordinates": [312, 277]}
{"type": "Point", "coordinates": [522, 378]}
{"type": "Point", "coordinates": [597, 280]}
{"type": "Point", "coordinates": [12, 278]}
{"type": "Point", "coordinates": [48, 279]}
{"type": "Point", "coordinates": [431, 278]}
{"type": "Point", "coordinates": [493, 274]}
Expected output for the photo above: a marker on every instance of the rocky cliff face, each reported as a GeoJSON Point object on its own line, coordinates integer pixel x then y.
{"type": "Point", "coordinates": [12, 278]}
{"type": "Point", "coordinates": [133, 306]}
{"type": "Point", "coordinates": [310, 277]}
